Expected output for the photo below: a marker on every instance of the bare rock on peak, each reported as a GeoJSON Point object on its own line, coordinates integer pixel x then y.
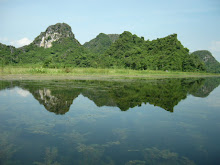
{"type": "Point", "coordinates": [54, 33]}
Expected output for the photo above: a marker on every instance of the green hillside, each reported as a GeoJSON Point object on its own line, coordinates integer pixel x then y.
{"type": "Point", "coordinates": [212, 65]}
{"type": "Point", "coordinates": [101, 43]}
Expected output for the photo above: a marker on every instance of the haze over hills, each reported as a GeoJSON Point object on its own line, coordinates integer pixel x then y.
{"type": "Point", "coordinates": [58, 47]}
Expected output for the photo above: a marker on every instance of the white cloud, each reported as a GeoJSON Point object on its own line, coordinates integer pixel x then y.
{"type": "Point", "coordinates": [21, 42]}
{"type": "Point", "coordinates": [215, 46]}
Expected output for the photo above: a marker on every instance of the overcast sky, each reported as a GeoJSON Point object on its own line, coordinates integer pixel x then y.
{"type": "Point", "coordinates": [197, 22]}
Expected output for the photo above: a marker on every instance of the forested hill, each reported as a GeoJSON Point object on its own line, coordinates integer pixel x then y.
{"type": "Point", "coordinates": [131, 51]}
{"type": "Point", "coordinates": [101, 43]}
{"type": "Point", "coordinates": [58, 47]}
{"type": "Point", "coordinates": [212, 65]}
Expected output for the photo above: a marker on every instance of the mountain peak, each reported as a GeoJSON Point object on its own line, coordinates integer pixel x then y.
{"type": "Point", "coordinates": [53, 33]}
{"type": "Point", "coordinates": [101, 43]}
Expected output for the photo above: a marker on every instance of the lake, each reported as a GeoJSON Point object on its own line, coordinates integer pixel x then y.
{"type": "Point", "coordinates": [80, 122]}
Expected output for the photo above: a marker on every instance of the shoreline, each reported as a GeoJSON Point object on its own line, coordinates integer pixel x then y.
{"type": "Point", "coordinates": [96, 77]}
{"type": "Point", "coordinates": [39, 73]}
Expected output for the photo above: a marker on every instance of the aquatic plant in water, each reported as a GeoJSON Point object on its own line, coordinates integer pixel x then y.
{"type": "Point", "coordinates": [93, 154]}
{"type": "Point", "coordinates": [90, 154]}
{"type": "Point", "coordinates": [154, 156]}
{"type": "Point", "coordinates": [135, 162]}
{"type": "Point", "coordinates": [121, 133]}
{"type": "Point", "coordinates": [7, 149]}
{"type": "Point", "coordinates": [50, 157]}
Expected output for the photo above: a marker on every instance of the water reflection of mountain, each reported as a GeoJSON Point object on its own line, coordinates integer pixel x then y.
{"type": "Point", "coordinates": [209, 85]}
{"type": "Point", "coordinates": [57, 96]}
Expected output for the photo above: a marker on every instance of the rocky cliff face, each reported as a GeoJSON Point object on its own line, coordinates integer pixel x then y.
{"type": "Point", "coordinates": [54, 33]}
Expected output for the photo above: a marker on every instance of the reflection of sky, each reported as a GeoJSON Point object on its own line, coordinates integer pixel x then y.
{"type": "Point", "coordinates": [22, 92]}
{"type": "Point", "coordinates": [214, 98]}
{"type": "Point", "coordinates": [15, 91]}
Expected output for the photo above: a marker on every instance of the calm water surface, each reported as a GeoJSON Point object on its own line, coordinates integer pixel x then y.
{"type": "Point", "coordinates": [169, 121]}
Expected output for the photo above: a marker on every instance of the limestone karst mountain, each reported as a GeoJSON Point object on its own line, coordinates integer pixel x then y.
{"type": "Point", "coordinates": [54, 33]}
{"type": "Point", "coordinates": [57, 47]}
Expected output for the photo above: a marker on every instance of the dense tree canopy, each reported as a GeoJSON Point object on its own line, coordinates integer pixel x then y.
{"type": "Point", "coordinates": [167, 53]}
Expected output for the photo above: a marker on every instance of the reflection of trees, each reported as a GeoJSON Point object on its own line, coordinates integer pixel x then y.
{"type": "Point", "coordinates": [164, 93]}
{"type": "Point", "coordinates": [57, 96]}
{"type": "Point", "coordinates": [6, 85]}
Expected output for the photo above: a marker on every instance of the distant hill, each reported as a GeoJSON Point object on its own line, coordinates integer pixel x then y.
{"type": "Point", "coordinates": [212, 65]}
{"type": "Point", "coordinates": [101, 43]}
{"type": "Point", "coordinates": [58, 47]}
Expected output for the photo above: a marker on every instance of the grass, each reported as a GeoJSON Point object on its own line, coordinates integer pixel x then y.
{"type": "Point", "coordinates": [12, 71]}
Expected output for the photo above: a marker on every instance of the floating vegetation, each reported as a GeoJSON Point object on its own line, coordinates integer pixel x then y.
{"type": "Point", "coordinates": [50, 157]}
{"type": "Point", "coordinates": [154, 156]}
{"type": "Point", "coordinates": [93, 154]}
{"type": "Point", "coordinates": [135, 162]}
{"type": "Point", "coordinates": [109, 144]}
{"type": "Point", "coordinates": [38, 130]}
{"type": "Point", "coordinates": [75, 137]}
{"type": "Point", "coordinates": [7, 149]}
{"type": "Point", "coordinates": [90, 154]}
{"type": "Point", "coordinates": [121, 133]}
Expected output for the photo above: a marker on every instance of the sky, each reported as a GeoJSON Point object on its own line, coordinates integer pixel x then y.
{"type": "Point", "coordinates": [196, 22]}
